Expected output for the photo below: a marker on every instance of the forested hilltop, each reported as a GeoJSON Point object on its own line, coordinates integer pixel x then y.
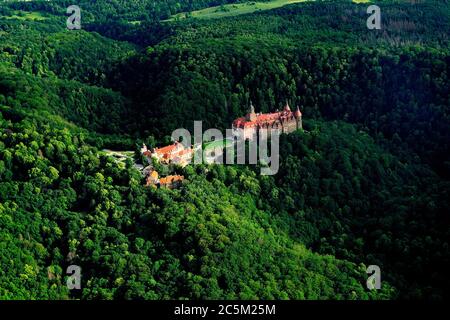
{"type": "Point", "coordinates": [366, 183]}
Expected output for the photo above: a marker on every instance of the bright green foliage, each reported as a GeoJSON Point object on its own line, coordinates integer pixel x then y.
{"type": "Point", "coordinates": [366, 183]}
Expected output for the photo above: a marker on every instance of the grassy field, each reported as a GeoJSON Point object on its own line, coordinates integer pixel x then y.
{"type": "Point", "coordinates": [225, 143]}
{"type": "Point", "coordinates": [24, 15]}
{"type": "Point", "coordinates": [235, 9]}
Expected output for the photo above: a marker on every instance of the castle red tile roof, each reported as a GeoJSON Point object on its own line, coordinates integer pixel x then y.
{"type": "Point", "coordinates": [183, 152]}
{"type": "Point", "coordinates": [170, 180]}
{"type": "Point", "coordinates": [166, 150]}
{"type": "Point", "coordinates": [264, 119]}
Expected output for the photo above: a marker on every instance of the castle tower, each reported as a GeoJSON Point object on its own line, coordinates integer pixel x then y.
{"type": "Point", "coordinates": [298, 118]}
{"type": "Point", "coordinates": [287, 108]}
{"type": "Point", "coordinates": [144, 148]}
{"type": "Point", "coordinates": [251, 116]}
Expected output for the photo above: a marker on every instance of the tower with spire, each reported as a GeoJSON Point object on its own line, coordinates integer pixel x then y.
{"type": "Point", "coordinates": [287, 108]}
{"type": "Point", "coordinates": [251, 115]}
{"type": "Point", "coordinates": [298, 118]}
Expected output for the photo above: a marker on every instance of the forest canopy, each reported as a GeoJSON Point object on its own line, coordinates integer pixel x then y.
{"type": "Point", "coordinates": [365, 183]}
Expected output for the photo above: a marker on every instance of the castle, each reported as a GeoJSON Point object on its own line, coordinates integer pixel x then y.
{"type": "Point", "coordinates": [250, 127]}
{"type": "Point", "coordinates": [175, 153]}
{"type": "Point", "coordinates": [253, 123]}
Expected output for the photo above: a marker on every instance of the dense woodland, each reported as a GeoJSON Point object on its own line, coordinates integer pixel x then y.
{"type": "Point", "coordinates": [367, 182]}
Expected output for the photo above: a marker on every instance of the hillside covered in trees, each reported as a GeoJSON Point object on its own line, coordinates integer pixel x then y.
{"type": "Point", "coordinates": [366, 182]}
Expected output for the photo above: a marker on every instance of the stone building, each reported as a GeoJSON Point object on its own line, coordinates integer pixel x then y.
{"type": "Point", "coordinates": [175, 153]}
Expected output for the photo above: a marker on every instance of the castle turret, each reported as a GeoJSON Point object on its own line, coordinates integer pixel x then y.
{"type": "Point", "coordinates": [287, 108]}
{"type": "Point", "coordinates": [251, 116]}
{"type": "Point", "coordinates": [298, 118]}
